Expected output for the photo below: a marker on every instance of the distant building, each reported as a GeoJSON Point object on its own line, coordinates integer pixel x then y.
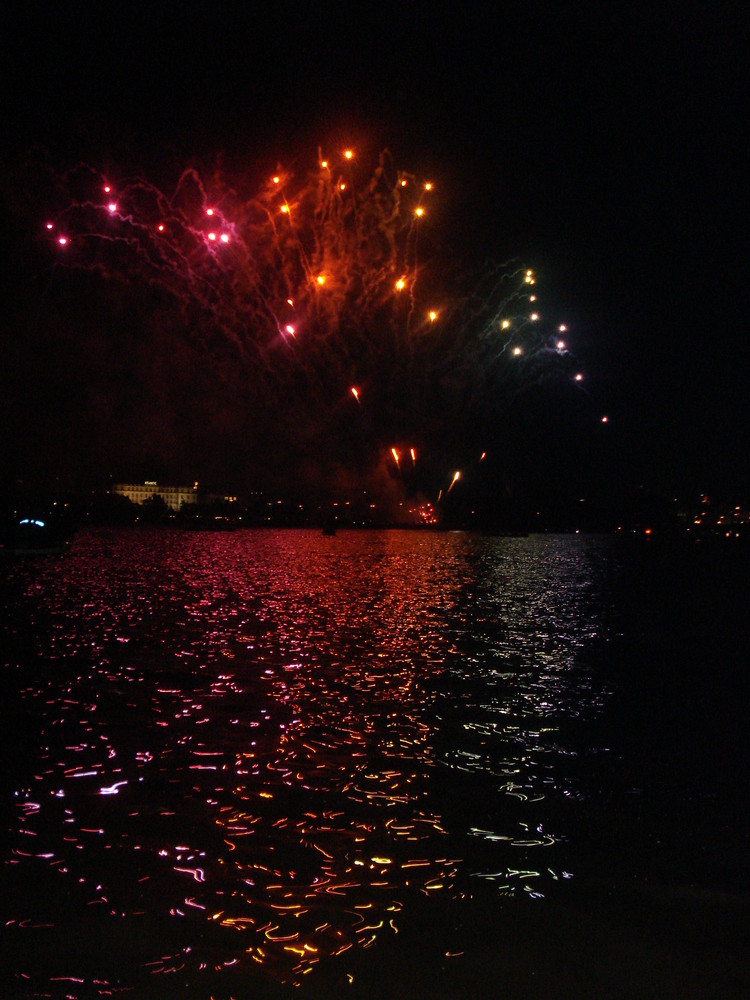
{"type": "Point", "coordinates": [173, 496]}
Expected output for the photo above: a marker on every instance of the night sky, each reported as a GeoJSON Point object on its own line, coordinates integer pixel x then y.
{"type": "Point", "coordinates": [601, 144]}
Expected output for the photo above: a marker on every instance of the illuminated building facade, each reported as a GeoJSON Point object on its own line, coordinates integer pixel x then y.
{"type": "Point", "coordinates": [173, 496]}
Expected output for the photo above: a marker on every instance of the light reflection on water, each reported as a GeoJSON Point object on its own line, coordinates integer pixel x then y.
{"type": "Point", "coordinates": [283, 741]}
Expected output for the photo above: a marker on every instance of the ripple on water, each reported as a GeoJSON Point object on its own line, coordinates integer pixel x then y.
{"type": "Point", "coordinates": [279, 743]}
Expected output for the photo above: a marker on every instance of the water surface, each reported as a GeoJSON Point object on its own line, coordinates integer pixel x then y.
{"type": "Point", "coordinates": [250, 759]}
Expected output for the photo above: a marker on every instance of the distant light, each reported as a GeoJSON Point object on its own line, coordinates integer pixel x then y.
{"type": "Point", "coordinates": [419, 212]}
{"type": "Point", "coordinates": [348, 153]}
{"type": "Point", "coordinates": [291, 302]}
{"type": "Point", "coordinates": [324, 164]}
{"type": "Point", "coordinates": [517, 351]}
{"type": "Point", "coordinates": [534, 317]}
{"type": "Point", "coordinates": [400, 284]}
{"type": "Point", "coordinates": [50, 225]}
{"type": "Point", "coordinates": [112, 206]}
{"type": "Point", "coordinates": [285, 209]}
{"type": "Point", "coordinates": [562, 328]}
{"type": "Point", "coordinates": [532, 298]}
{"type": "Point", "coordinates": [505, 324]}
{"type": "Point", "coordinates": [403, 182]}
{"type": "Point", "coordinates": [432, 315]}
{"type": "Point", "coordinates": [605, 420]}
{"type": "Point", "coordinates": [395, 455]}
{"type": "Point", "coordinates": [160, 227]}
{"type": "Point", "coordinates": [342, 186]}
{"type": "Point", "coordinates": [28, 520]}
{"type": "Point", "coordinates": [289, 329]}
{"type": "Point", "coordinates": [483, 456]}
{"type": "Point", "coordinates": [355, 392]}
{"type": "Point", "coordinates": [212, 236]}
{"type": "Point", "coordinates": [107, 188]}
{"type": "Point", "coordinates": [224, 238]}
{"type": "Point", "coordinates": [413, 454]}
{"type": "Point", "coordinates": [560, 345]}
{"type": "Point", "coordinates": [579, 377]}
{"type": "Point", "coordinates": [321, 279]}
{"type": "Point", "coordinates": [428, 186]}
{"type": "Point", "coordinates": [63, 241]}
{"type": "Point", "coordinates": [209, 211]}
{"type": "Point", "coordinates": [276, 180]}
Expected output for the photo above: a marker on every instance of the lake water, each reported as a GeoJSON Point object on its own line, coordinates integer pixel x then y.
{"type": "Point", "coordinates": [380, 764]}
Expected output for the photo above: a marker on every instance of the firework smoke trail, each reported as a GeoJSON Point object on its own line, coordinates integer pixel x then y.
{"type": "Point", "coordinates": [314, 285]}
{"type": "Point", "coordinates": [321, 257]}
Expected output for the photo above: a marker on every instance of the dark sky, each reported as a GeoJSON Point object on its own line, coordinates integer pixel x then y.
{"type": "Point", "coordinates": [601, 143]}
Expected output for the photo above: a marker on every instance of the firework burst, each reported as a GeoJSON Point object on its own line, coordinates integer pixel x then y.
{"type": "Point", "coordinates": [321, 290]}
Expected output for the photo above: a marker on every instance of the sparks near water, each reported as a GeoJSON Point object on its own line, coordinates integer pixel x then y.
{"type": "Point", "coordinates": [325, 292]}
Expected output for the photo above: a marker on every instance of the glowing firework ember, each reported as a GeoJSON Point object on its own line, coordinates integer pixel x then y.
{"type": "Point", "coordinates": [313, 283]}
